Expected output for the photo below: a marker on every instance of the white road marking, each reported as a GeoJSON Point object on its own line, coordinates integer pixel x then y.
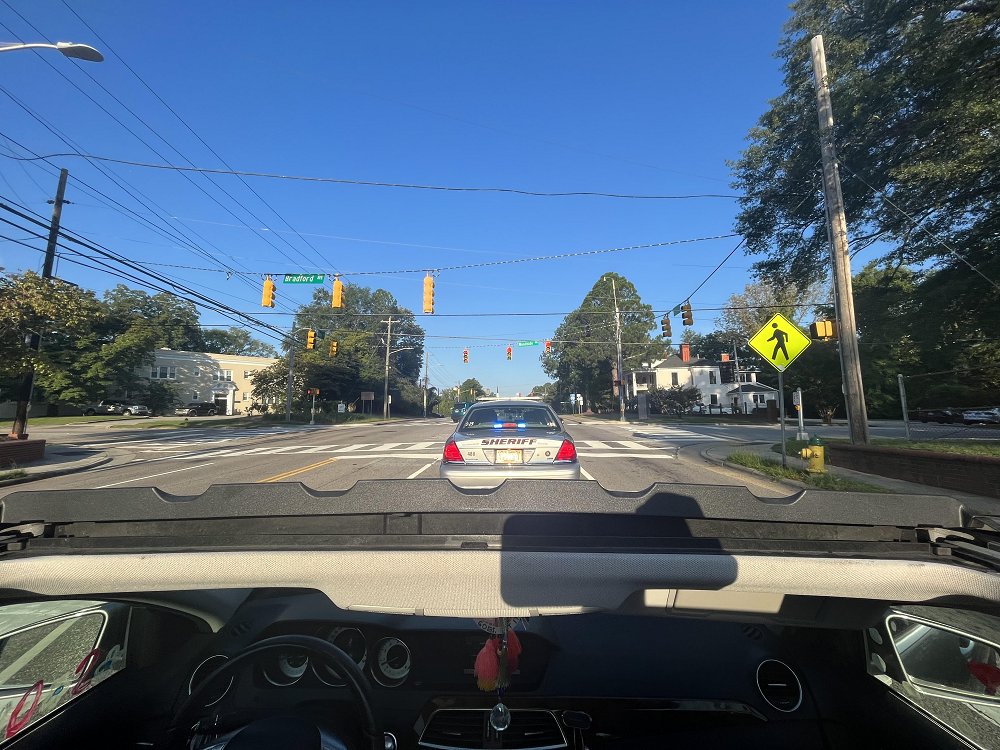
{"type": "Point", "coordinates": [151, 476]}
{"type": "Point", "coordinates": [650, 454]}
{"type": "Point", "coordinates": [358, 447]}
{"type": "Point", "coordinates": [422, 469]}
{"type": "Point", "coordinates": [595, 444]}
{"type": "Point", "coordinates": [320, 448]}
{"type": "Point", "coordinates": [634, 445]}
{"type": "Point", "coordinates": [423, 446]}
{"type": "Point", "coordinates": [586, 474]}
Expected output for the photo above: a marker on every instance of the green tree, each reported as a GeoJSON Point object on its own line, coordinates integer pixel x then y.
{"type": "Point", "coordinates": [916, 92]}
{"type": "Point", "coordinates": [677, 400]}
{"type": "Point", "coordinates": [173, 320]}
{"type": "Point", "coordinates": [583, 347]}
{"type": "Point", "coordinates": [235, 341]}
{"type": "Point", "coordinates": [471, 389]}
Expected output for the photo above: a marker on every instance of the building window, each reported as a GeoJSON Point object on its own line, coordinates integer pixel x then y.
{"type": "Point", "coordinates": [224, 375]}
{"type": "Point", "coordinates": [673, 379]}
{"type": "Point", "coordinates": [712, 380]}
{"type": "Point", "coordinates": [715, 399]}
{"type": "Point", "coordinates": [246, 396]}
{"type": "Point", "coordinates": [163, 373]}
{"type": "Point", "coordinates": [194, 395]}
{"type": "Point", "coordinates": [247, 374]}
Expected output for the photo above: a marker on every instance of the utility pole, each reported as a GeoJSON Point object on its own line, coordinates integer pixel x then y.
{"type": "Point", "coordinates": [618, 341]}
{"type": "Point", "coordinates": [388, 346]}
{"type": "Point", "coordinates": [425, 380]}
{"type": "Point", "coordinates": [288, 383]}
{"type": "Point", "coordinates": [18, 430]}
{"type": "Point", "coordinates": [843, 285]}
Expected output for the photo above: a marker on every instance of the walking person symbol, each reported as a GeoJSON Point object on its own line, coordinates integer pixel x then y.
{"type": "Point", "coordinates": [779, 338]}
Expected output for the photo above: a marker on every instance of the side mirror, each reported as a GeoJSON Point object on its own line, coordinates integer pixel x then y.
{"type": "Point", "coordinates": [945, 661]}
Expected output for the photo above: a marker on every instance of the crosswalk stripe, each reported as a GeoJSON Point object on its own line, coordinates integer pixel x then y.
{"type": "Point", "coordinates": [423, 446]}
{"type": "Point", "coordinates": [593, 444]}
{"type": "Point", "coordinates": [353, 448]}
{"type": "Point", "coordinates": [631, 444]}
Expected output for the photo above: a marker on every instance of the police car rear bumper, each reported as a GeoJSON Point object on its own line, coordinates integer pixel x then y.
{"type": "Point", "coordinates": [471, 476]}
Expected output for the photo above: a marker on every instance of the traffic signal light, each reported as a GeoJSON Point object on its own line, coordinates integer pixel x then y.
{"type": "Point", "coordinates": [311, 339]}
{"type": "Point", "coordinates": [338, 293]}
{"type": "Point", "coordinates": [665, 326]}
{"type": "Point", "coordinates": [312, 391]}
{"type": "Point", "coordinates": [428, 295]}
{"type": "Point", "coordinates": [333, 348]}
{"type": "Point", "coordinates": [465, 356]}
{"type": "Point", "coordinates": [510, 353]}
{"type": "Point", "coordinates": [548, 347]}
{"type": "Point", "coordinates": [686, 315]}
{"type": "Point", "coordinates": [267, 297]}
{"type": "Point", "coordinates": [823, 329]}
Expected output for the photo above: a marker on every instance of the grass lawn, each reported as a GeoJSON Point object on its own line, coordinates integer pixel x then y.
{"type": "Point", "coordinates": [774, 469]}
{"type": "Point", "coordinates": [963, 447]}
{"type": "Point", "coordinates": [244, 422]}
{"type": "Point", "coordinates": [13, 474]}
{"type": "Point", "coordinates": [50, 421]}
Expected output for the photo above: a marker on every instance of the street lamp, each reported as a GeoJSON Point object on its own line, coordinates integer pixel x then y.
{"type": "Point", "coordinates": [70, 49]}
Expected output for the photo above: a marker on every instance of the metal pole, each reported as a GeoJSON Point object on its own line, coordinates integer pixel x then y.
{"type": "Point", "coordinates": [802, 410]}
{"type": "Point", "coordinates": [902, 401]}
{"type": "Point", "coordinates": [425, 383]}
{"type": "Point", "coordinates": [850, 356]}
{"type": "Point", "coordinates": [781, 416]}
{"type": "Point", "coordinates": [288, 383]}
{"type": "Point", "coordinates": [618, 341]}
{"type": "Point", "coordinates": [312, 414]}
{"type": "Point", "coordinates": [385, 390]}
{"type": "Point", "coordinates": [18, 430]}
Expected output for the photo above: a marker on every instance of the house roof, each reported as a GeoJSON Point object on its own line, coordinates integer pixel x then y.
{"type": "Point", "coordinates": [753, 388]}
{"type": "Point", "coordinates": [673, 361]}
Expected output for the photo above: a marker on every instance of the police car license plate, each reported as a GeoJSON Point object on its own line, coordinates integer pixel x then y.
{"type": "Point", "coordinates": [509, 457]}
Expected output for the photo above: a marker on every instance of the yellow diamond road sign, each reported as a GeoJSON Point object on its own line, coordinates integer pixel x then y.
{"type": "Point", "coordinates": [780, 342]}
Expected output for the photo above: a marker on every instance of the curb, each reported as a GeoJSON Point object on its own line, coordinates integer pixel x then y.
{"type": "Point", "coordinates": [100, 460]}
{"type": "Point", "coordinates": [754, 472]}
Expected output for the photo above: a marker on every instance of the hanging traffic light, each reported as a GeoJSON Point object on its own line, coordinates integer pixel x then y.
{"type": "Point", "coordinates": [338, 293]}
{"type": "Point", "coordinates": [665, 326]}
{"type": "Point", "coordinates": [548, 347]}
{"type": "Point", "coordinates": [686, 315]}
{"type": "Point", "coordinates": [465, 356]}
{"type": "Point", "coordinates": [267, 297]}
{"type": "Point", "coordinates": [428, 295]}
{"type": "Point", "coordinates": [311, 339]}
{"type": "Point", "coordinates": [309, 391]}
{"type": "Point", "coordinates": [333, 348]}
{"type": "Point", "coordinates": [510, 352]}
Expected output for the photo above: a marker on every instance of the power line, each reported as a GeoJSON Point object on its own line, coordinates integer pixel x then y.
{"type": "Point", "coordinates": [375, 183]}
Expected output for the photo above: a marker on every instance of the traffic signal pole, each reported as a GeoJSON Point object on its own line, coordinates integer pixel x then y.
{"type": "Point", "coordinates": [288, 383]}
{"type": "Point", "coordinates": [843, 285]}
{"type": "Point", "coordinates": [19, 429]}
{"type": "Point", "coordinates": [618, 341]}
{"type": "Point", "coordinates": [385, 387]}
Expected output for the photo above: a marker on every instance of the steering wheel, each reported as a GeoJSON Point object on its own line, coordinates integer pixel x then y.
{"type": "Point", "coordinates": [346, 668]}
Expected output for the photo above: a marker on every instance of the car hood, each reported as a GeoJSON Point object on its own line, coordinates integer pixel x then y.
{"type": "Point", "coordinates": [516, 550]}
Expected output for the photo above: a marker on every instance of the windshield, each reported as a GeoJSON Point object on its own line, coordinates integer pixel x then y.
{"type": "Point", "coordinates": [490, 418]}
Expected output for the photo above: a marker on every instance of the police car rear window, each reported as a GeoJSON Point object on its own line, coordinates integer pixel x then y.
{"type": "Point", "coordinates": [490, 418]}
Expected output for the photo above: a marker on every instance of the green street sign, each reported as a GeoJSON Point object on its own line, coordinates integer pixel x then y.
{"type": "Point", "coordinates": [304, 278]}
{"type": "Point", "coordinates": [527, 343]}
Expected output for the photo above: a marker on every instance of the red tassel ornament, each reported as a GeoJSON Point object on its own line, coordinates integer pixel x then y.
{"type": "Point", "coordinates": [487, 669]}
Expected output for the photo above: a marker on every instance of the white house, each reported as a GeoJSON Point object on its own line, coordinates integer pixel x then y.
{"type": "Point", "coordinates": [722, 386]}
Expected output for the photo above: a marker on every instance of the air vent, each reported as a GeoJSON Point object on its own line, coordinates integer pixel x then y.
{"type": "Point", "coordinates": [458, 729]}
{"type": "Point", "coordinates": [779, 686]}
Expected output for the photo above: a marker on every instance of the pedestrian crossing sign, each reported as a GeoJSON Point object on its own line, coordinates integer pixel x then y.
{"type": "Point", "coordinates": [779, 342]}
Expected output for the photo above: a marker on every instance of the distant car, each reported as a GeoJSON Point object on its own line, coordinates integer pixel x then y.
{"type": "Point", "coordinates": [458, 410]}
{"type": "Point", "coordinates": [195, 409]}
{"type": "Point", "coordinates": [130, 409]}
{"type": "Point", "coordinates": [982, 416]}
{"type": "Point", "coordinates": [107, 406]}
{"type": "Point", "coordinates": [941, 416]}
{"type": "Point", "coordinates": [502, 440]}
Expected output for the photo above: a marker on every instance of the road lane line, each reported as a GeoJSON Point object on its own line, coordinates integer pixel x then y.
{"type": "Point", "coordinates": [321, 448]}
{"type": "Point", "coordinates": [586, 474]}
{"type": "Point", "coordinates": [139, 479]}
{"type": "Point", "coordinates": [634, 445]}
{"type": "Point", "coordinates": [650, 454]}
{"type": "Point", "coordinates": [294, 472]}
{"type": "Point", "coordinates": [422, 446]}
{"type": "Point", "coordinates": [597, 444]}
{"type": "Point", "coordinates": [383, 447]}
{"type": "Point", "coordinates": [422, 469]}
{"type": "Point", "coordinates": [353, 448]}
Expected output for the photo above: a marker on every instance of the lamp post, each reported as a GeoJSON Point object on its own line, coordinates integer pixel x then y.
{"type": "Point", "coordinates": [69, 49]}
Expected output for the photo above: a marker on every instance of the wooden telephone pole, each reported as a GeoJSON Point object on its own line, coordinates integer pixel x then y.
{"type": "Point", "coordinates": [854, 395]}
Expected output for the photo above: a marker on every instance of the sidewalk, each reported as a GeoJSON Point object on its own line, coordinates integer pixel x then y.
{"type": "Point", "coordinates": [59, 459]}
{"type": "Point", "coordinates": [718, 454]}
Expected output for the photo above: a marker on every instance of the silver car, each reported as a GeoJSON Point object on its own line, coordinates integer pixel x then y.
{"type": "Point", "coordinates": [501, 440]}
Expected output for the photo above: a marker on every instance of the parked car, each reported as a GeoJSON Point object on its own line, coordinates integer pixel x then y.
{"type": "Point", "coordinates": [459, 409]}
{"type": "Point", "coordinates": [130, 409]}
{"type": "Point", "coordinates": [107, 406]}
{"type": "Point", "coordinates": [982, 416]}
{"type": "Point", "coordinates": [941, 416]}
{"type": "Point", "coordinates": [196, 409]}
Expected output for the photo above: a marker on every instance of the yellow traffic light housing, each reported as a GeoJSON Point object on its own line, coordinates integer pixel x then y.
{"type": "Point", "coordinates": [267, 296]}
{"type": "Point", "coordinates": [333, 348]}
{"type": "Point", "coordinates": [686, 315]}
{"type": "Point", "coordinates": [428, 295]}
{"type": "Point", "coordinates": [338, 293]}
{"type": "Point", "coordinates": [510, 352]}
{"type": "Point", "coordinates": [465, 356]}
{"type": "Point", "coordinates": [823, 329]}
{"type": "Point", "coordinates": [665, 326]}
{"type": "Point", "coordinates": [311, 339]}
{"type": "Point", "coordinates": [548, 347]}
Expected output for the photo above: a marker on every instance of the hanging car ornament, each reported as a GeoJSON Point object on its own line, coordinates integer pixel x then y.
{"type": "Point", "coordinates": [498, 658]}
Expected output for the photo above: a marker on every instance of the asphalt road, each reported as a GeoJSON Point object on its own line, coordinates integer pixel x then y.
{"type": "Point", "coordinates": [188, 461]}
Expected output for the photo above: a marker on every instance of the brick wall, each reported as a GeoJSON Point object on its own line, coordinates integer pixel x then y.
{"type": "Point", "coordinates": [976, 475]}
{"type": "Point", "coordinates": [18, 452]}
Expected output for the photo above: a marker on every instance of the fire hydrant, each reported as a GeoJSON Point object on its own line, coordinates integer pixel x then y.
{"type": "Point", "coordinates": [814, 454]}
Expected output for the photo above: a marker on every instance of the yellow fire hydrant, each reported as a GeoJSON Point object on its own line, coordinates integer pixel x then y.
{"type": "Point", "coordinates": [814, 454]}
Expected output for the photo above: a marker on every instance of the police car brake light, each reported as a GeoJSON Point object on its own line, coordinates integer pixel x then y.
{"type": "Point", "coordinates": [452, 455]}
{"type": "Point", "coordinates": [567, 452]}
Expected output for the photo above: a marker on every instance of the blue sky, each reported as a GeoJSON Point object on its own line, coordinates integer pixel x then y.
{"type": "Point", "coordinates": [625, 97]}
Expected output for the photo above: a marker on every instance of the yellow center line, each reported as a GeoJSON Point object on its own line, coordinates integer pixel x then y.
{"type": "Point", "coordinates": [293, 472]}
